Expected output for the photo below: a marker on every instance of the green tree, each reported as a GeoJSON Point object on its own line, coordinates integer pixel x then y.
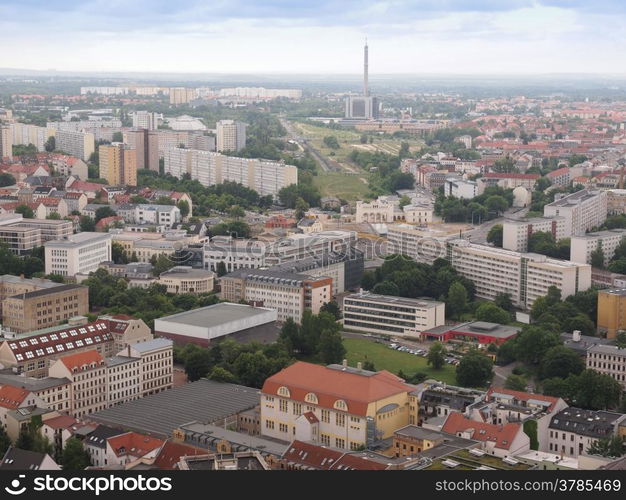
{"type": "Point", "coordinates": [515, 383]}
{"type": "Point", "coordinates": [221, 269]}
{"type": "Point", "coordinates": [495, 235]}
{"type": "Point", "coordinates": [74, 456]}
{"type": "Point", "coordinates": [105, 211]}
{"type": "Point", "coordinates": [118, 254]}
{"type": "Point", "coordinates": [25, 210]}
{"type": "Point", "coordinates": [161, 264]}
{"type": "Point", "coordinates": [503, 301]}
{"type": "Point", "coordinates": [219, 374]}
{"type": "Point", "coordinates": [491, 313]}
{"type": "Point", "coordinates": [404, 201]}
{"type": "Point", "coordinates": [474, 370]}
{"type": "Point", "coordinates": [236, 212]}
{"type": "Point", "coordinates": [595, 390]}
{"type": "Point", "coordinates": [331, 142]}
{"type": "Point", "coordinates": [6, 179]}
{"type": "Point", "coordinates": [5, 440]}
{"type": "Point", "coordinates": [369, 365]}
{"type": "Point", "coordinates": [620, 339]}
{"type": "Point", "coordinates": [333, 308]}
{"type": "Point", "coordinates": [301, 208]}
{"type": "Point", "coordinates": [456, 302]}
{"type": "Point", "coordinates": [50, 144]}
{"type": "Point", "coordinates": [118, 137]}
{"type": "Point", "coordinates": [530, 429]}
{"type": "Point", "coordinates": [597, 257]}
{"type": "Point", "coordinates": [331, 348]}
{"type": "Point", "coordinates": [87, 224]}
{"type": "Point", "coordinates": [437, 355]}
{"type": "Point", "coordinates": [290, 336]}
{"type": "Point", "coordinates": [197, 364]}
{"type": "Point", "coordinates": [183, 206]}
{"type": "Point", "coordinates": [607, 447]}
{"type": "Point", "coordinates": [559, 361]}
{"type": "Point", "coordinates": [496, 203]}
{"type": "Point", "coordinates": [387, 288]}
{"type": "Point", "coordinates": [533, 342]}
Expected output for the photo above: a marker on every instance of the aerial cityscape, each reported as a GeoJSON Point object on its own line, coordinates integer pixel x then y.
{"type": "Point", "coordinates": [216, 255]}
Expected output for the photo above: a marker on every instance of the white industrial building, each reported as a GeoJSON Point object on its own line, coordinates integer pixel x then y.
{"type": "Point", "coordinates": [201, 326]}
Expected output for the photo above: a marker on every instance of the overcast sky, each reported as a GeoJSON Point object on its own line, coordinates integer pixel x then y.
{"type": "Point", "coordinates": [321, 36]}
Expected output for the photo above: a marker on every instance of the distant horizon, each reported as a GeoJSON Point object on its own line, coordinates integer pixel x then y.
{"type": "Point", "coordinates": [411, 37]}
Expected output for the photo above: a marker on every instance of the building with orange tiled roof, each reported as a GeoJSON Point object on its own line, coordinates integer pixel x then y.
{"type": "Point", "coordinates": [499, 440]}
{"type": "Point", "coordinates": [126, 448]}
{"type": "Point", "coordinates": [351, 406]}
{"type": "Point", "coordinates": [88, 374]}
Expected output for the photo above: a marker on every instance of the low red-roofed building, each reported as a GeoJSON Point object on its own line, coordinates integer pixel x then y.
{"type": "Point", "coordinates": [499, 440]}
{"type": "Point", "coordinates": [171, 453]}
{"type": "Point", "coordinates": [335, 405]}
{"type": "Point", "coordinates": [126, 448]}
{"type": "Point", "coordinates": [560, 177]}
{"type": "Point", "coordinates": [58, 429]}
{"type": "Point", "coordinates": [103, 224]}
{"type": "Point", "coordinates": [307, 456]}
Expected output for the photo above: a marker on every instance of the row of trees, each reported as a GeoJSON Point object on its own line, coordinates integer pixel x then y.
{"type": "Point", "coordinates": [112, 295]}
{"type": "Point", "coordinates": [493, 202]}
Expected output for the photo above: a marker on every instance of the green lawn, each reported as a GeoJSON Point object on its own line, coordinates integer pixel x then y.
{"type": "Point", "coordinates": [385, 358]}
{"type": "Point", "coordinates": [344, 186]}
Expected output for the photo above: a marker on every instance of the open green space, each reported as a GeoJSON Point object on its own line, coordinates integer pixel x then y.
{"type": "Point", "coordinates": [391, 360]}
{"type": "Point", "coordinates": [345, 186]}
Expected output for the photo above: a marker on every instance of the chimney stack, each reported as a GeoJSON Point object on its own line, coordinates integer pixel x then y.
{"type": "Point", "coordinates": [359, 366]}
{"type": "Point", "coordinates": [345, 363]}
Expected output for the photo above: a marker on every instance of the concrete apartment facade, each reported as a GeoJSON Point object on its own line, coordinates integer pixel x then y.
{"type": "Point", "coordinates": [583, 210]}
{"type": "Point", "coordinates": [231, 135]}
{"type": "Point", "coordinates": [118, 164]}
{"type": "Point", "coordinates": [611, 311]}
{"type": "Point", "coordinates": [515, 233]}
{"type": "Point", "coordinates": [79, 144]}
{"type": "Point", "coordinates": [581, 247]}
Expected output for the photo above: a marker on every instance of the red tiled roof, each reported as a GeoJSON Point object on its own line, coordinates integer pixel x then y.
{"type": "Point", "coordinates": [353, 462]}
{"type": "Point", "coordinates": [81, 359]}
{"type": "Point", "coordinates": [524, 396]}
{"type": "Point", "coordinates": [498, 175]}
{"type": "Point", "coordinates": [49, 202]}
{"type": "Point", "coordinates": [61, 422]}
{"type": "Point", "coordinates": [501, 435]}
{"type": "Point", "coordinates": [134, 444]}
{"type": "Point", "coordinates": [557, 172]}
{"type": "Point", "coordinates": [330, 385]}
{"type": "Point", "coordinates": [12, 397]}
{"type": "Point", "coordinates": [60, 341]}
{"type": "Point", "coordinates": [311, 455]}
{"type": "Point", "coordinates": [169, 455]}
{"type": "Point", "coordinates": [310, 416]}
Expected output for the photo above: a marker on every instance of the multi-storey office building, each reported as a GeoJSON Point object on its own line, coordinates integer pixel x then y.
{"type": "Point", "coordinates": [43, 308]}
{"type": "Point", "coordinates": [368, 312]}
{"type": "Point", "coordinates": [582, 210]}
{"type": "Point", "coordinates": [80, 253]}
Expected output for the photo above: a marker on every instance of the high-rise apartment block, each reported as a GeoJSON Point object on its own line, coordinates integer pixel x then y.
{"type": "Point", "coordinates": [582, 247]}
{"type": "Point", "coordinates": [209, 168]}
{"type": "Point", "coordinates": [118, 164]}
{"type": "Point", "coordinates": [181, 95]}
{"type": "Point", "coordinates": [146, 145]}
{"type": "Point", "coordinates": [583, 210]}
{"type": "Point", "coordinates": [146, 120]}
{"type": "Point", "coordinates": [515, 233]}
{"type": "Point", "coordinates": [6, 141]}
{"type": "Point", "coordinates": [79, 144]}
{"type": "Point", "coordinates": [231, 135]}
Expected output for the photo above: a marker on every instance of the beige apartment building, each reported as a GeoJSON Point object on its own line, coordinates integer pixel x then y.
{"type": "Point", "coordinates": [87, 373]}
{"type": "Point", "coordinates": [16, 285]}
{"type": "Point", "coordinates": [118, 164]}
{"type": "Point", "coordinates": [231, 135]}
{"type": "Point", "coordinates": [79, 144]}
{"type": "Point", "coordinates": [43, 308]}
{"type": "Point", "coordinates": [582, 210]}
{"type": "Point", "coordinates": [123, 379]}
{"type": "Point", "coordinates": [581, 247]}
{"type": "Point", "coordinates": [515, 233]}
{"type": "Point", "coordinates": [181, 95]}
{"type": "Point", "coordinates": [6, 141]}
{"type": "Point", "coordinates": [608, 360]}
{"type": "Point", "coordinates": [145, 143]}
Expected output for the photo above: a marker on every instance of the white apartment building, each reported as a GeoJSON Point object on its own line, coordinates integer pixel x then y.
{"type": "Point", "coordinates": [583, 210]}
{"type": "Point", "coordinates": [515, 233]}
{"type": "Point", "coordinates": [582, 246]}
{"type": "Point", "coordinates": [104, 90]}
{"type": "Point", "coordinates": [156, 364]}
{"type": "Point", "coordinates": [300, 246]}
{"type": "Point", "coordinates": [146, 120]}
{"type": "Point", "coordinates": [24, 135]}
{"type": "Point", "coordinates": [264, 176]}
{"type": "Point", "coordinates": [368, 312]}
{"type": "Point", "coordinates": [460, 188]}
{"type": "Point", "coordinates": [79, 144]}
{"type": "Point", "coordinates": [87, 372]}
{"type": "Point", "coordinates": [573, 430]}
{"type": "Point", "coordinates": [608, 360]}
{"type": "Point", "coordinates": [79, 253]}
{"type": "Point", "coordinates": [616, 200]}
{"type": "Point", "coordinates": [234, 253]}
{"type": "Point", "coordinates": [231, 135]}
{"type": "Point", "coordinates": [123, 379]}
{"type": "Point", "coordinates": [164, 215]}
{"type": "Point", "coordinates": [524, 276]}
{"type": "Point", "coordinates": [260, 93]}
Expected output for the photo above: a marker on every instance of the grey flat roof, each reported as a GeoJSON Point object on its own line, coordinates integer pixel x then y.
{"type": "Point", "coordinates": [217, 314]}
{"type": "Point", "coordinates": [47, 291]}
{"type": "Point", "coordinates": [419, 433]}
{"type": "Point", "coordinates": [150, 345]}
{"type": "Point", "coordinates": [393, 300]}
{"type": "Point", "coordinates": [613, 350]}
{"type": "Point", "coordinates": [32, 384]}
{"type": "Point", "coordinates": [159, 414]}
{"type": "Point", "coordinates": [119, 360]}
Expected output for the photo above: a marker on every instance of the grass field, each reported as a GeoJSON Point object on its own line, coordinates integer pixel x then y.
{"type": "Point", "coordinates": [344, 186]}
{"type": "Point", "coordinates": [388, 359]}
